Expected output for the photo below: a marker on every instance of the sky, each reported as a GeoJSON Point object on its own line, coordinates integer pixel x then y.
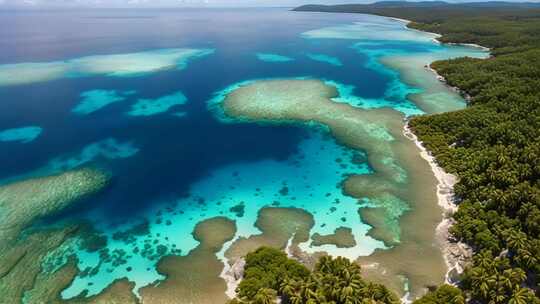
{"type": "Point", "coordinates": [178, 3]}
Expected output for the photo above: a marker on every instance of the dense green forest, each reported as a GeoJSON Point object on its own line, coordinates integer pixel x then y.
{"type": "Point", "coordinates": [269, 273]}
{"type": "Point", "coordinates": [493, 146]}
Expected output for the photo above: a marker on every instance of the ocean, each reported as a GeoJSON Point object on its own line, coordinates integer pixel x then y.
{"type": "Point", "coordinates": [137, 93]}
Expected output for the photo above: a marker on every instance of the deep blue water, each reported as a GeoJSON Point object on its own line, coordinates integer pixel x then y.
{"type": "Point", "coordinates": [167, 144]}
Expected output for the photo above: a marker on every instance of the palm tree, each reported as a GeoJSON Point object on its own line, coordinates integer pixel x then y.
{"type": "Point", "coordinates": [527, 258]}
{"type": "Point", "coordinates": [288, 287]}
{"type": "Point", "coordinates": [506, 279]}
{"type": "Point", "coordinates": [516, 240]}
{"type": "Point", "coordinates": [518, 276]}
{"type": "Point", "coordinates": [519, 296]}
{"type": "Point", "coordinates": [295, 298]}
{"type": "Point", "coordinates": [384, 295]}
{"type": "Point", "coordinates": [458, 299]}
{"type": "Point", "coordinates": [482, 282]}
{"type": "Point", "coordinates": [484, 260]}
{"type": "Point", "coordinates": [264, 296]}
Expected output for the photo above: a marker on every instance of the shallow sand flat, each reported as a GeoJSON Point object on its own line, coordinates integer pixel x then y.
{"type": "Point", "coordinates": [342, 237]}
{"type": "Point", "coordinates": [194, 278]}
{"type": "Point", "coordinates": [435, 96]}
{"type": "Point", "coordinates": [418, 256]}
{"type": "Point", "coordinates": [400, 172]}
{"type": "Point", "coordinates": [24, 201]}
{"type": "Point", "coordinates": [278, 226]}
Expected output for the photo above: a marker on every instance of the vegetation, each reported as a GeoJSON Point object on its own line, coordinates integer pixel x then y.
{"type": "Point", "coordinates": [268, 268]}
{"type": "Point", "coordinates": [444, 294]}
{"type": "Point", "coordinates": [269, 274]}
{"type": "Point", "coordinates": [493, 145]}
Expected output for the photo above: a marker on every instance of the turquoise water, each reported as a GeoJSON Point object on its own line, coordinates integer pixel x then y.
{"type": "Point", "coordinates": [268, 57]}
{"type": "Point", "coordinates": [115, 65]}
{"type": "Point", "coordinates": [148, 107]}
{"type": "Point", "coordinates": [321, 163]}
{"type": "Point", "coordinates": [23, 135]}
{"type": "Point", "coordinates": [95, 100]}
{"type": "Point", "coordinates": [325, 58]}
{"type": "Point", "coordinates": [145, 105]}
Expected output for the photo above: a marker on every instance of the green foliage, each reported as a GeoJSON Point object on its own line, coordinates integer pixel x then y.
{"type": "Point", "coordinates": [494, 148]}
{"type": "Point", "coordinates": [336, 281]}
{"type": "Point", "coordinates": [268, 268]}
{"type": "Point", "coordinates": [445, 294]}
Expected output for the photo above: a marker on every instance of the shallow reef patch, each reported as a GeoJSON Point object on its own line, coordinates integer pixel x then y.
{"type": "Point", "coordinates": [373, 28]}
{"type": "Point", "coordinates": [434, 96]}
{"type": "Point", "coordinates": [112, 65]}
{"type": "Point", "coordinates": [149, 107]}
{"type": "Point", "coordinates": [22, 135]}
{"type": "Point", "coordinates": [325, 59]}
{"type": "Point", "coordinates": [25, 201]}
{"type": "Point", "coordinates": [269, 57]}
{"type": "Point", "coordinates": [383, 214]}
{"type": "Point", "coordinates": [109, 148]}
{"type": "Point", "coordinates": [20, 265]}
{"type": "Point", "coordinates": [404, 55]}
{"type": "Point", "coordinates": [397, 102]}
{"type": "Point", "coordinates": [94, 100]}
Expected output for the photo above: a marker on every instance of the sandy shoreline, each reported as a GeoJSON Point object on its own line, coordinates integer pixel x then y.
{"type": "Point", "coordinates": [455, 254]}
{"type": "Point", "coordinates": [406, 21]}
{"type": "Point", "coordinates": [231, 273]}
{"type": "Point", "coordinates": [441, 78]}
{"type": "Point", "coordinates": [400, 20]}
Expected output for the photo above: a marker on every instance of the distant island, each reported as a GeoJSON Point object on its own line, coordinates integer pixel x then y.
{"type": "Point", "coordinates": [437, 8]}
